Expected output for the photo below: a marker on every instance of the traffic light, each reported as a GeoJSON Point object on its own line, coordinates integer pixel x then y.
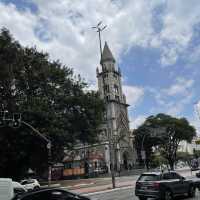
{"type": "Point", "coordinates": [2, 116]}
{"type": "Point", "coordinates": [16, 120]}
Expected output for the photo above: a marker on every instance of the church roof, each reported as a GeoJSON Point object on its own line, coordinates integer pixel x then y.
{"type": "Point", "coordinates": [106, 55]}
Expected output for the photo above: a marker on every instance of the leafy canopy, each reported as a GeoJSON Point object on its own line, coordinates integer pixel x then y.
{"type": "Point", "coordinates": [50, 98]}
{"type": "Point", "coordinates": [166, 132]}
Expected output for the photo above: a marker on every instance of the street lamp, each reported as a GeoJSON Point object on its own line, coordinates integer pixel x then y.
{"type": "Point", "coordinates": [143, 153]}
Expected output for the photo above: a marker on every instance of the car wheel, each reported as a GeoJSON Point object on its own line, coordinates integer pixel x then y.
{"type": "Point", "coordinates": [168, 195]}
{"type": "Point", "coordinates": [192, 191]}
{"type": "Point", "coordinates": [142, 198]}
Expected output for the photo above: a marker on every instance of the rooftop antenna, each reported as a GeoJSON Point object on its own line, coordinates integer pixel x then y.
{"type": "Point", "coordinates": [99, 29]}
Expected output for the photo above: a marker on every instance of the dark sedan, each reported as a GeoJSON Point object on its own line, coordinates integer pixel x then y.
{"type": "Point", "coordinates": [50, 194]}
{"type": "Point", "coordinates": [165, 186]}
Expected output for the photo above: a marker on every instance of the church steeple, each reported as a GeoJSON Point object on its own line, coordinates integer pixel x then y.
{"type": "Point", "coordinates": [107, 55]}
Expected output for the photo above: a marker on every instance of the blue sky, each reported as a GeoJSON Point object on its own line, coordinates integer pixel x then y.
{"type": "Point", "coordinates": [156, 44]}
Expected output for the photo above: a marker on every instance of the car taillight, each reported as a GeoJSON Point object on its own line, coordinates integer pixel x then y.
{"type": "Point", "coordinates": [156, 185]}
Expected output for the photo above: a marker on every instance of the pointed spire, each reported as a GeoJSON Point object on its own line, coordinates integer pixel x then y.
{"type": "Point", "coordinates": [106, 55]}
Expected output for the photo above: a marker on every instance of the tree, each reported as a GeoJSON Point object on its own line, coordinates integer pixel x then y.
{"type": "Point", "coordinates": [145, 140]}
{"type": "Point", "coordinates": [50, 98]}
{"type": "Point", "coordinates": [176, 130]}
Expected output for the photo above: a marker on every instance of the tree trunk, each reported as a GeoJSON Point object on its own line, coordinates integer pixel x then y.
{"type": "Point", "coordinates": [171, 164]}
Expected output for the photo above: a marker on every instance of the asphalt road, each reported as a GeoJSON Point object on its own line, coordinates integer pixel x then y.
{"type": "Point", "coordinates": [128, 194]}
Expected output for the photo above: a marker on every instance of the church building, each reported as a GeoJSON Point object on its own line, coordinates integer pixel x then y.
{"type": "Point", "coordinates": [115, 129]}
{"type": "Point", "coordinates": [116, 146]}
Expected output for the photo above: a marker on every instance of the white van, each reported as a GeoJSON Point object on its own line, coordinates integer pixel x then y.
{"type": "Point", "coordinates": [9, 188]}
{"type": "Point", "coordinates": [6, 189]}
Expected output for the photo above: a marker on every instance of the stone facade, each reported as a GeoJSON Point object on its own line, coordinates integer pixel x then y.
{"type": "Point", "coordinates": [116, 123]}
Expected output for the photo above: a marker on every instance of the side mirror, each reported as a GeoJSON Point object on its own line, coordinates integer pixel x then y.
{"type": "Point", "coordinates": [182, 178]}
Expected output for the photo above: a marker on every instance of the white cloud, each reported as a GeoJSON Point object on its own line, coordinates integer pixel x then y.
{"type": "Point", "coordinates": [63, 28]}
{"type": "Point", "coordinates": [175, 98]}
{"type": "Point", "coordinates": [133, 94]}
{"type": "Point", "coordinates": [177, 107]}
{"type": "Point", "coordinates": [182, 86]}
{"type": "Point", "coordinates": [136, 122]}
{"type": "Point", "coordinates": [178, 21]}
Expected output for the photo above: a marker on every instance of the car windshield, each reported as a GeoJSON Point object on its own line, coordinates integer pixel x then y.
{"type": "Point", "coordinates": [149, 177]}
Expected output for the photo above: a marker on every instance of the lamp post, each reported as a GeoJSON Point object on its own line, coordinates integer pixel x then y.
{"type": "Point", "coordinates": [143, 153]}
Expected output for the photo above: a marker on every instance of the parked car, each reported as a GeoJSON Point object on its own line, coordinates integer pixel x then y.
{"type": "Point", "coordinates": [51, 194]}
{"type": "Point", "coordinates": [18, 188]}
{"type": "Point", "coordinates": [164, 185]}
{"type": "Point", "coordinates": [30, 184]}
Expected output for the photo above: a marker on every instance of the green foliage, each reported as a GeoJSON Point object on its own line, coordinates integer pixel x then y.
{"type": "Point", "coordinates": [196, 153]}
{"type": "Point", "coordinates": [158, 160]}
{"type": "Point", "coordinates": [50, 98]}
{"type": "Point", "coordinates": [183, 156]}
{"type": "Point", "coordinates": [167, 132]}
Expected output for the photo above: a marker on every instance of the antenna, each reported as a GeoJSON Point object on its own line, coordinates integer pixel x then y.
{"type": "Point", "coordinates": [99, 30]}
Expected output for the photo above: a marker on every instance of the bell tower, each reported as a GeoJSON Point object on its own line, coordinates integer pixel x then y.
{"type": "Point", "coordinates": [109, 80]}
{"type": "Point", "coordinates": [116, 116]}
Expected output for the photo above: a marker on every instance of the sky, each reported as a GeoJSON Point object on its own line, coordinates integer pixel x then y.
{"type": "Point", "coordinates": [156, 43]}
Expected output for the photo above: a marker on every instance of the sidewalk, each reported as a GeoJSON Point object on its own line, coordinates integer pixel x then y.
{"type": "Point", "coordinates": [104, 187]}
{"type": "Point", "coordinates": [121, 182]}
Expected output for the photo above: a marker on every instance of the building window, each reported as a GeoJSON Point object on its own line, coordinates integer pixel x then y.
{"type": "Point", "coordinates": [106, 88]}
{"type": "Point", "coordinates": [114, 75]}
{"type": "Point", "coordinates": [105, 75]}
{"type": "Point", "coordinates": [108, 98]}
{"type": "Point", "coordinates": [116, 89]}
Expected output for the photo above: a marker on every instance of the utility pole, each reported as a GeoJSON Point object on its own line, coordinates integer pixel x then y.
{"type": "Point", "coordinates": [111, 152]}
{"type": "Point", "coordinates": [99, 30]}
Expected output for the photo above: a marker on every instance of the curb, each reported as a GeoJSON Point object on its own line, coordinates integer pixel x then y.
{"type": "Point", "coordinates": [108, 190]}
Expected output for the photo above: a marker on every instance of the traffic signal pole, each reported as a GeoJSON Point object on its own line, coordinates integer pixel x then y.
{"type": "Point", "coordinates": [16, 122]}
{"type": "Point", "coordinates": [48, 148]}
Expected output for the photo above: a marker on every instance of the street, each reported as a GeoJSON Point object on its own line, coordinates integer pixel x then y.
{"type": "Point", "coordinates": [127, 194]}
{"type": "Point", "coordinates": [85, 186]}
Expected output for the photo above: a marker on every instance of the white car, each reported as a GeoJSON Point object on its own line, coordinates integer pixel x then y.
{"type": "Point", "coordinates": [31, 184]}
{"type": "Point", "coordinates": [18, 188]}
